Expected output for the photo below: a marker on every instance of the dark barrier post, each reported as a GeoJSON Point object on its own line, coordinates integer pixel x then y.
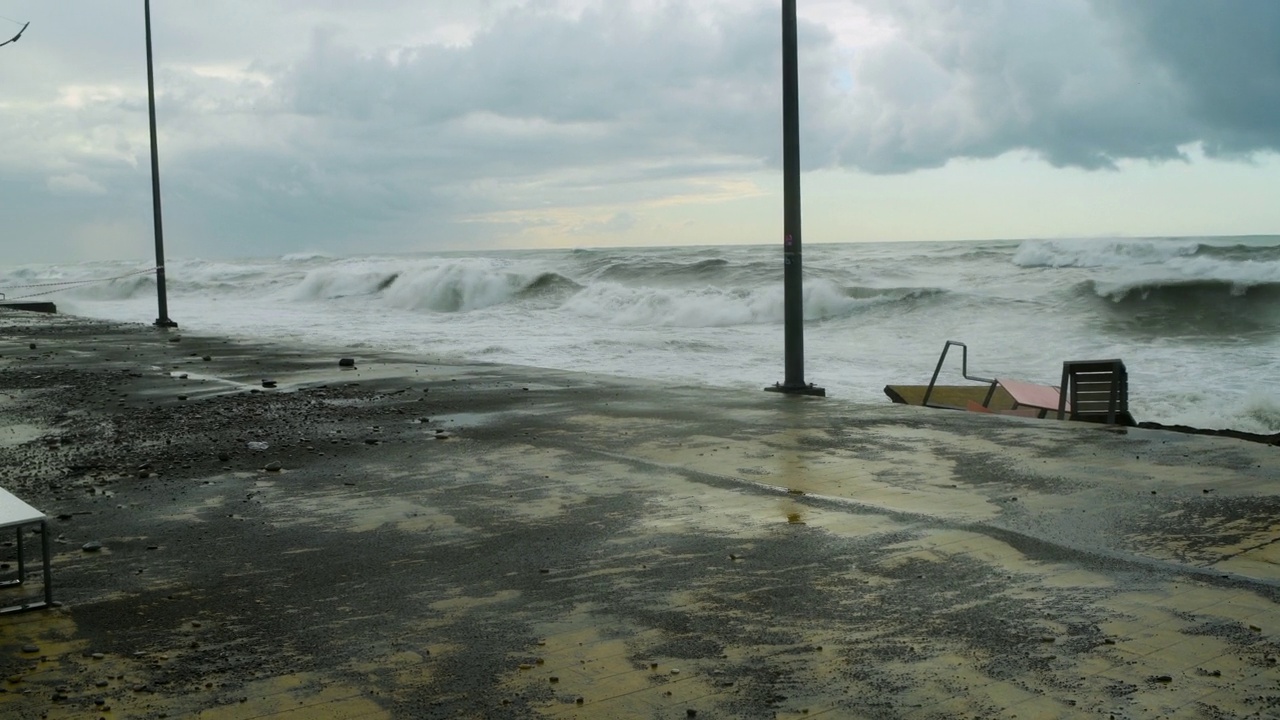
{"type": "Point", "coordinates": [793, 289]}
{"type": "Point", "coordinates": [163, 319]}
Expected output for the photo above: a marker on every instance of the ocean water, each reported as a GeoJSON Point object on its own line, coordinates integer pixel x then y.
{"type": "Point", "coordinates": [1197, 321]}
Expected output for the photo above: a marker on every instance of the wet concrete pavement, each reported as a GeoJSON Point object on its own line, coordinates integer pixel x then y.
{"type": "Point", "coordinates": [451, 540]}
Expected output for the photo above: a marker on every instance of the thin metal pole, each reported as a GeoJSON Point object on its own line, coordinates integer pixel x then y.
{"type": "Point", "coordinates": [793, 289]}
{"type": "Point", "coordinates": [163, 319]}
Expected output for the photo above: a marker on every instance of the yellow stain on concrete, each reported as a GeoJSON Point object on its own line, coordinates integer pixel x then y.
{"type": "Point", "coordinates": [66, 678]}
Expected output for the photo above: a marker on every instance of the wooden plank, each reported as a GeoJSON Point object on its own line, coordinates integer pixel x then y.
{"type": "Point", "coordinates": [1031, 395]}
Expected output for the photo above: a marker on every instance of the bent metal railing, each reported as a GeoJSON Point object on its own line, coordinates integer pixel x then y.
{"type": "Point", "coordinates": [964, 371]}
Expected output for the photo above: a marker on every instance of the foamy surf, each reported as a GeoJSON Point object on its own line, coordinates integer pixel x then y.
{"type": "Point", "coordinates": [1196, 320]}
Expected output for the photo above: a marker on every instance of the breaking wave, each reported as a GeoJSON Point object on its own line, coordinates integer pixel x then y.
{"type": "Point", "coordinates": [1101, 253]}
{"type": "Point", "coordinates": [726, 307]}
{"type": "Point", "coordinates": [451, 287]}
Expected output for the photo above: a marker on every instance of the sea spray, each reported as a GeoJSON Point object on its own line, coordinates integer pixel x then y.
{"type": "Point", "coordinates": [1196, 320]}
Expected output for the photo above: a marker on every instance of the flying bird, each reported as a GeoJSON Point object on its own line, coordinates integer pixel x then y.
{"type": "Point", "coordinates": [17, 37]}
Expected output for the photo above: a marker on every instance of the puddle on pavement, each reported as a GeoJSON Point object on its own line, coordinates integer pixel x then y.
{"type": "Point", "coordinates": [20, 434]}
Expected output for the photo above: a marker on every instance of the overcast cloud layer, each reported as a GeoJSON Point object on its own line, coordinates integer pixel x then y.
{"type": "Point", "coordinates": [401, 124]}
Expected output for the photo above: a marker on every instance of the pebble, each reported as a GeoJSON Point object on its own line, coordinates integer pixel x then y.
{"type": "Point", "coordinates": [273, 466]}
{"type": "Point", "coordinates": [91, 546]}
{"type": "Point", "coordinates": [207, 358]}
{"type": "Point", "coordinates": [347, 362]}
{"type": "Point", "coordinates": [268, 383]}
{"type": "Point", "coordinates": [30, 648]}
{"type": "Point", "coordinates": [97, 656]}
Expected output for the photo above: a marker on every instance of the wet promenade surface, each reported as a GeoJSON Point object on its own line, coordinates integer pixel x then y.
{"type": "Point", "coordinates": [444, 540]}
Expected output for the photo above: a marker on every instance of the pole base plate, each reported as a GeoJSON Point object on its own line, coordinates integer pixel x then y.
{"type": "Point", "coordinates": [165, 323]}
{"type": "Point", "coordinates": [810, 390]}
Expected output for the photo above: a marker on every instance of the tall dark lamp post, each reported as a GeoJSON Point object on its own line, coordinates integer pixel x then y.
{"type": "Point", "coordinates": [163, 319]}
{"type": "Point", "coordinates": [793, 289]}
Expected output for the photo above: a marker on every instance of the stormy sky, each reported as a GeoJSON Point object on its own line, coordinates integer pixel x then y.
{"type": "Point", "coordinates": [403, 125]}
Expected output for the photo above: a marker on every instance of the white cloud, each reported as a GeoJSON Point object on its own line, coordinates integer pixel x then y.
{"type": "Point", "coordinates": [74, 184]}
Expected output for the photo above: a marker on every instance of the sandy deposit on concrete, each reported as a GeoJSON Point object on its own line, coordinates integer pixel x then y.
{"type": "Point", "coordinates": [593, 547]}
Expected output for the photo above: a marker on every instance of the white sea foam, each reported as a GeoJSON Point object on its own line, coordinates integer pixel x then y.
{"type": "Point", "coordinates": [715, 315]}
{"type": "Point", "coordinates": [1100, 253]}
{"type": "Point", "coordinates": [709, 307]}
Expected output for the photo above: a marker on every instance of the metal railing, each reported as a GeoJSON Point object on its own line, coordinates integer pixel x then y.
{"type": "Point", "coordinates": [964, 371]}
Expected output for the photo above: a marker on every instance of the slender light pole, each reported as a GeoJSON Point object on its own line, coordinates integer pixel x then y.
{"type": "Point", "coordinates": [793, 289]}
{"type": "Point", "coordinates": [163, 319]}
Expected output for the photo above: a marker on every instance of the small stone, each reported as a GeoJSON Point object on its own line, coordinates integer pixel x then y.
{"type": "Point", "coordinates": [97, 656]}
{"type": "Point", "coordinates": [526, 666]}
{"type": "Point", "coordinates": [347, 362]}
{"type": "Point", "coordinates": [32, 346]}
{"type": "Point", "coordinates": [273, 466]}
{"type": "Point", "coordinates": [372, 441]}
{"type": "Point", "coordinates": [554, 679]}
{"type": "Point", "coordinates": [176, 338]}
{"type": "Point", "coordinates": [91, 546]}
{"type": "Point", "coordinates": [224, 457]}
{"type": "Point", "coordinates": [207, 358]}
{"type": "Point", "coordinates": [268, 383]}
{"type": "Point", "coordinates": [1255, 628]}
{"type": "Point", "coordinates": [1162, 678]}
{"type": "Point", "coordinates": [143, 474]}
{"type": "Point", "coordinates": [691, 713]}
{"type": "Point", "coordinates": [30, 648]}
{"type": "Point", "coordinates": [579, 701]}
{"type": "Point", "coordinates": [675, 671]}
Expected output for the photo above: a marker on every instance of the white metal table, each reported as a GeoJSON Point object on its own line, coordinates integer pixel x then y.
{"type": "Point", "coordinates": [16, 514]}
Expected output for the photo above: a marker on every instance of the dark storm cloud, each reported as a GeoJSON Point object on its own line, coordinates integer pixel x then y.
{"type": "Point", "coordinates": [1080, 83]}
{"type": "Point", "coordinates": [1225, 59]}
{"type": "Point", "coordinates": [296, 124]}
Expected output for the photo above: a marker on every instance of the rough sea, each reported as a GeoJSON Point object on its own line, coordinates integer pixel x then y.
{"type": "Point", "coordinates": [1197, 321]}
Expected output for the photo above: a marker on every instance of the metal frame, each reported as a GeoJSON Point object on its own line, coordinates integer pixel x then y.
{"type": "Point", "coordinates": [964, 372]}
